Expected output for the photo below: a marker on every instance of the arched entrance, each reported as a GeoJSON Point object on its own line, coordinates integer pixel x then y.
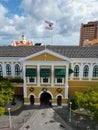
{"type": "Point", "coordinates": [31, 99]}
{"type": "Point", "coordinates": [45, 99]}
{"type": "Point", "coordinates": [59, 100]}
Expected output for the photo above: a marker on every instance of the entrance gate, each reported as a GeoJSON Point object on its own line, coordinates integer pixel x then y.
{"type": "Point", "coordinates": [45, 99]}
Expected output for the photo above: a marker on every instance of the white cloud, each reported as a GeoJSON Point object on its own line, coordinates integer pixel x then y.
{"type": "Point", "coordinates": [67, 16]}
{"type": "Point", "coordinates": [3, 10]}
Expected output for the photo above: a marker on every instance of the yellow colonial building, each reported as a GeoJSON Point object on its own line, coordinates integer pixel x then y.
{"type": "Point", "coordinates": [50, 74]}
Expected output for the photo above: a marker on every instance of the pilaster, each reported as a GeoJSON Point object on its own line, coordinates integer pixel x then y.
{"type": "Point", "coordinates": [38, 75]}
{"type": "Point", "coordinates": [24, 78]}
{"type": "Point", "coordinates": [81, 71]}
{"type": "Point", "coordinates": [4, 69]}
{"type": "Point", "coordinates": [52, 77]}
{"type": "Point", "coordinates": [90, 71]}
{"type": "Point", "coordinates": [66, 84]}
{"type": "Point", "coordinates": [12, 69]}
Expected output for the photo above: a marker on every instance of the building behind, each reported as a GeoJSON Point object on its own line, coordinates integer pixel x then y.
{"type": "Point", "coordinates": [22, 42]}
{"type": "Point", "coordinates": [88, 33]}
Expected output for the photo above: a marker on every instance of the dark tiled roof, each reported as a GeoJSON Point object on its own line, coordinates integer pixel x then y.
{"type": "Point", "coordinates": [68, 51]}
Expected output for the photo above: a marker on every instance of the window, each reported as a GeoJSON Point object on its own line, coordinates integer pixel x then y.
{"type": "Point", "coordinates": [31, 72]}
{"type": "Point", "coordinates": [76, 71]}
{"type": "Point", "coordinates": [85, 71]}
{"type": "Point", "coordinates": [95, 71]}
{"type": "Point", "coordinates": [8, 70]}
{"type": "Point", "coordinates": [59, 75]}
{"type": "Point", "coordinates": [59, 80]}
{"type": "Point", "coordinates": [45, 79]}
{"type": "Point", "coordinates": [45, 75]}
{"type": "Point", "coordinates": [17, 70]}
{"type": "Point", "coordinates": [32, 79]}
{"type": "Point", "coordinates": [1, 70]}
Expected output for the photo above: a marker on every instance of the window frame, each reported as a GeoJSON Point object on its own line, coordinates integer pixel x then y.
{"type": "Point", "coordinates": [76, 72]}
{"type": "Point", "coordinates": [17, 70]}
{"type": "Point", "coordinates": [95, 71]}
{"type": "Point", "coordinates": [31, 78]}
{"type": "Point", "coordinates": [8, 70]}
{"type": "Point", "coordinates": [86, 71]}
{"type": "Point", "coordinates": [42, 80]}
{"type": "Point", "coordinates": [1, 72]}
{"type": "Point", "coordinates": [59, 78]}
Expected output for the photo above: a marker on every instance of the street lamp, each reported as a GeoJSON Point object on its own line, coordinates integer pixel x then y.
{"type": "Point", "coordinates": [70, 103]}
{"type": "Point", "coordinates": [9, 109]}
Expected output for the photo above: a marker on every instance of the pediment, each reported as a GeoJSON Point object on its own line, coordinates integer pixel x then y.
{"type": "Point", "coordinates": [46, 55]}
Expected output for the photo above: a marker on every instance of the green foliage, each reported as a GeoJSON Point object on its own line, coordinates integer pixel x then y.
{"type": "Point", "coordinates": [88, 99]}
{"type": "Point", "coordinates": [6, 93]}
{"type": "Point", "coordinates": [16, 80]}
{"type": "Point", "coordinates": [12, 80]}
{"type": "Point", "coordinates": [74, 105]}
{"type": "Point", "coordinates": [2, 111]}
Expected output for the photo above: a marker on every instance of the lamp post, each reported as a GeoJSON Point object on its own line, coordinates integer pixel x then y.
{"type": "Point", "coordinates": [9, 110]}
{"type": "Point", "coordinates": [70, 103]}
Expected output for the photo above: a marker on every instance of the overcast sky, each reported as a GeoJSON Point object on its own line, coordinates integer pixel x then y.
{"type": "Point", "coordinates": [28, 17]}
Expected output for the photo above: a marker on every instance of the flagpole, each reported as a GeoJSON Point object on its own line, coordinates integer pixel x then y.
{"type": "Point", "coordinates": [45, 46]}
{"type": "Point", "coordinates": [45, 52]}
{"type": "Point", "coordinates": [51, 39]}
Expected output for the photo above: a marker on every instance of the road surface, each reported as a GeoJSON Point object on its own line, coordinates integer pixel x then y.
{"type": "Point", "coordinates": [45, 119]}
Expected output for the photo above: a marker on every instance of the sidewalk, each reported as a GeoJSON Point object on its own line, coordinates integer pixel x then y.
{"type": "Point", "coordinates": [18, 104]}
{"type": "Point", "coordinates": [45, 119]}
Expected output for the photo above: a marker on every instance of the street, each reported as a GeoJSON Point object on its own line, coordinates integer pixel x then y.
{"type": "Point", "coordinates": [45, 119]}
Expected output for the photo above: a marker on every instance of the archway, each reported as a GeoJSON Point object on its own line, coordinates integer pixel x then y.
{"type": "Point", "coordinates": [45, 99]}
{"type": "Point", "coordinates": [59, 100]}
{"type": "Point", "coordinates": [31, 99]}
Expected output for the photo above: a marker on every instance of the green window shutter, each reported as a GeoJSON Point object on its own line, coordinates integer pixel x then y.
{"type": "Point", "coordinates": [59, 72]}
{"type": "Point", "coordinates": [70, 71]}
{"type": "Point", "coordinates": [45, 72]}
{"type": "Point", "coordinates": [30, 72]}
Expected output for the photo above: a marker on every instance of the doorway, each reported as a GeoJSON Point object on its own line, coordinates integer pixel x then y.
{"type": "Point", "coordinates": [46, 99]}
{"type": "Point", "coordinates": [59, 100]}
{"type": "Point", "coordinates": [31, 99]}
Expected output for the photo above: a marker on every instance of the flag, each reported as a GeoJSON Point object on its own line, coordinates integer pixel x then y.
{"type": "Point", "coordinates": [49, 25]}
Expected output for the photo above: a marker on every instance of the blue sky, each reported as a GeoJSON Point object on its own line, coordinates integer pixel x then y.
{"type": "Point", "coordinates": [13, 6]}
{"type": "Point", "coordinates": [28, 17]}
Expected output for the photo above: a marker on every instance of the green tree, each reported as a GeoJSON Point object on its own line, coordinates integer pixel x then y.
{"type": "Point", "coordinates": [88, 99]}
{"type": "Point", "coordinates": [6, 94]}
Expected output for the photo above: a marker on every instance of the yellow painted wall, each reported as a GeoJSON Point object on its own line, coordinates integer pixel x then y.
{"type": "Point", "coordinates": [80, 86]}
{"type": "Point", "coordinates": [83, 83]}
{"type": "Point", "coordinates": [45, 57]}
{"type": "Point", "coordinates": [37, 91]}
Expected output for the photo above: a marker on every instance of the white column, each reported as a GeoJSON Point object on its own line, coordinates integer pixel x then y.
{"type": "Point", "coordinates": [38, 75]}
{"type": "Point", "coordinates": [4, 69]}
{"type": "Point", "coordinates": [24, 78]}
{"type": "Point", "coordinates": [90, 75]}
{"type": "Point", "coordinates": [12, 70]}
{"type": "Point", "coordinates": [81, 71]}
{"type": "Point", "coordinates": [52, 76]}
{"type": "Point", "coordinates": [66, 84]}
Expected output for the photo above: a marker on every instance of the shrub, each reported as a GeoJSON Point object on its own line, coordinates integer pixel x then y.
{"type": "Point", "coordinates": [2, 111]}
{"type": "Point", "coordinates": [74, 105]}
{"type": "Point", "coordinates": [16, 80]}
